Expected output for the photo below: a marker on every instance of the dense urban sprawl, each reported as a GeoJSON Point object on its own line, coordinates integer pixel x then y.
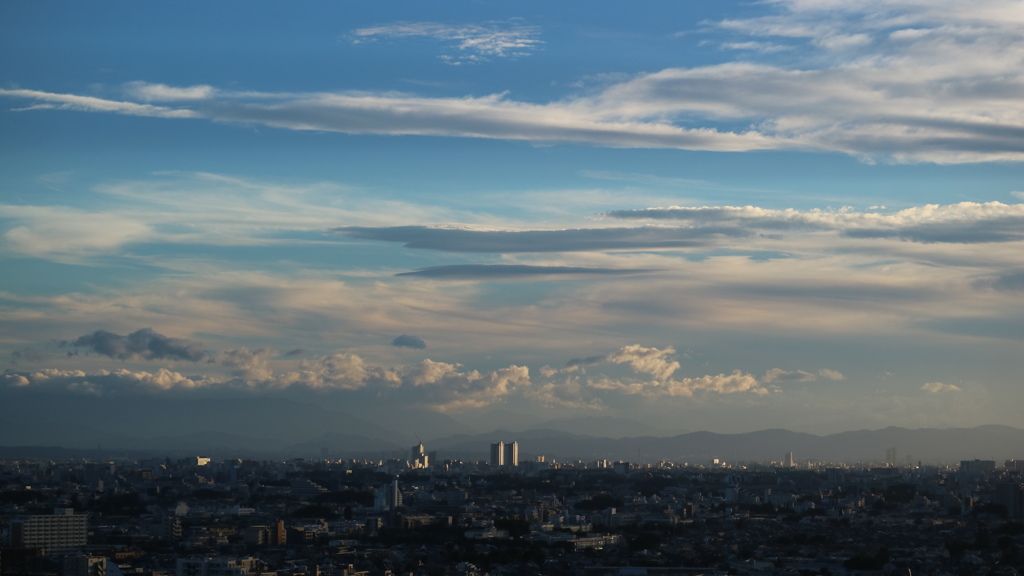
{"type": "Point", "coordinates": [304, 517]}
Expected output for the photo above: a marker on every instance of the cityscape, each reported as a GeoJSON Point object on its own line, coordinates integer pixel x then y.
{"type": "Point", "coordinates": [490, 288]}
{"type": "Point", "coordinates": [424, 515]}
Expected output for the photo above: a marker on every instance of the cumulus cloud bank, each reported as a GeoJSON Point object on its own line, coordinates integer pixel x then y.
{"type": "Point", "coordinates": [442, 386]}
{"type": "Point", "coordinates": [105, 381]}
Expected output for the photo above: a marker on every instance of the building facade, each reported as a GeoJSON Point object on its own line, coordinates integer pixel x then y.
{"type": "Point", "coordinates": [61, 531]}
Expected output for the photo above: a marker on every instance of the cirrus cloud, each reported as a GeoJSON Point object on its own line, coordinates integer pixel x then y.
{"type": "Point", "coordinates": [474, 42]}
{"type": "Point", "coordinates": [897, 82]}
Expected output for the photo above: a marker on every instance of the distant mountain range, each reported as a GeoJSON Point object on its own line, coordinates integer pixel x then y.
{"type": "Point", "coordinates": [252, 427]}
{"type": "Point", "coordinates": [928, 445]}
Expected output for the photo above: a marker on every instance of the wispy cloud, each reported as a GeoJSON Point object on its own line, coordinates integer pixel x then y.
{"type": "Point", "coordinates": [92, 104]}
{"type": "Point", "coordinates": [512, 271]}
{"type": "Point", "coordinates": [164, 93]}
{"type": "Point", "coordinates": [888, 80]}
{"type": "Point", "coordinates": [966, 222]}
{"type": "Point", "coordinates": [65, 232]}
{"type": "Point", "coordinates": [471, 42]}
{"type": "Point", "coordinates": [777, 375]}
{"type": "Point", "coordinates": [507, 241]}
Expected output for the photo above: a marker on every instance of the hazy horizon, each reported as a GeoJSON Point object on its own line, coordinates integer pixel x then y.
{"type": "Point", "coordinates": [729, 216]}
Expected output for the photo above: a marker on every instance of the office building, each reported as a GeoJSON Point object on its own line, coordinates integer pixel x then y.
{"type": "Point", "coordinates": [512, 454]}
{"type": "Point", "coordinates": [388, 497]}
{"type": "Point", "coordinates": [498, 454]}
{"type": "Point", "coordinates": [971, 467]}
{"type": "Point", "coordinates": [62, 531]}
{"type": "Point", "coordinates": [1011, 495]}
{"type": "Point", "coordinates": [505, 455]}
{"type": "Point", "coordinates": [419, 457]}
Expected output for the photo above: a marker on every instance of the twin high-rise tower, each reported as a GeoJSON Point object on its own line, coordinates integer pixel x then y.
{"type": "Point", "coordinates": [505, 455]}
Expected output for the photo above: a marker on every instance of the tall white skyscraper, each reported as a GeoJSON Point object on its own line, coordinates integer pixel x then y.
{"type": "Point", "coordinates": [498, 454]}
{"type": "Point", "coordinates": [512, 454]}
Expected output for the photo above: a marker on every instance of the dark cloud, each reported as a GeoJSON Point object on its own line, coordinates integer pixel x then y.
{"type": "Point", "coordinates": [747, 217]}
{"type": "Point", "coordinates": [581, 239]}
{"type": "Point", "coordinates": [850, 292]}
{"type": "Point", "coordinates": [485, 271]}
{"type": "Point", "coordinates": [588, 361]}
{"type": "Point", "coordinates": [1003, 328]}
{"type": "Point", "coordinates": [28, 354]}
{"type": "Point", "coordinates": [406, 341]}
{"type": "Point", "coordinates": [964, 223]}
{"type": "Point", "coordinates": [1009, 282]}
{"type": "Point", "coordinates": [295, 352]}
{"type": "Point", "coordinates": [145, 344]}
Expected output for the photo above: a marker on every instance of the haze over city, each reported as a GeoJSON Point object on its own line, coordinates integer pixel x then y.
{"type": "Point", "coordinates": [443, 218]}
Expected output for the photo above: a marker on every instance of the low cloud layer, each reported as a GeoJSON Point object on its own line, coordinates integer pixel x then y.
{"type": "Point", "coordinates": [443, 386]}
{"type": "Point", "coordinates": [142, 344]}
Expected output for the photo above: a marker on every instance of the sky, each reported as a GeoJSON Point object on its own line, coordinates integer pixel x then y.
{"type": "Point", "coordinates": [724, 216]}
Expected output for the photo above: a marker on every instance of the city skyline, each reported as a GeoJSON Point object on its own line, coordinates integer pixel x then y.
{"type": "Point", "coordinates": [722, 216]}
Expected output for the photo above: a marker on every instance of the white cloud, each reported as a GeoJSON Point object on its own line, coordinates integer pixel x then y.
{"type": "Point", "coordinates": [248, 364]}
{"type": "Point", "coordinates": [41, 231]}
{"type": "Point", "coordinates": [765, 47]}
{"type": "Point", "coordinates": [941, 92]}
{"type": "Point", "coordinates": [657, 363]}
{"type": "Point", "coordinates": [474, 42]}
{"type": "Point", "coordinates": [107, 381]}
{"type": "Point", "coordinates": [889, 80]}
{"type": "Point", "coordinates": [164, 93]}
{"type": "Point", "coordinates": [779, 375]}
{"type": "Point", "coordinates": [92, 104]}
{"type": "Point", "coordinates": [939, 387]}
{"type": "Point", "coordinates": [733, 383]}
{"type": "Point", "coordinates": [646, 360]}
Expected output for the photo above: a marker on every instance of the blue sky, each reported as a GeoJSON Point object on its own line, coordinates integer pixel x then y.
{"type": "Point", "coordinates": [702, 215]}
